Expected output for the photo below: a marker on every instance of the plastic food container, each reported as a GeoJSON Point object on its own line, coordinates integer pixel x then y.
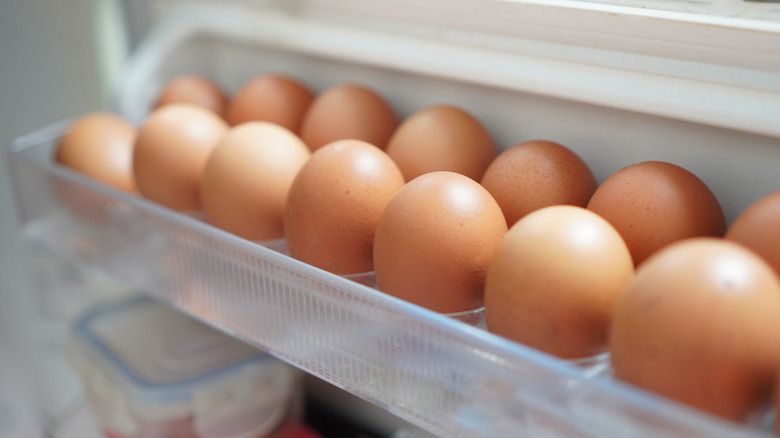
{"type": "Point", "coordinates": [616, 85]}
{"type": "Point", "coordinates": [151, 371]}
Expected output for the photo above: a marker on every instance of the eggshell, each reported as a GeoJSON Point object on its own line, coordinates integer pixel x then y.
{"type": "Point", "coordinates": [194, 90]}
{"type": "Point", "coordinates": [758, 228]}
{"type": "Point", "coordinates": [699, 324]}
{"type": "Point", "coordinates": [442, 137]}
{"type": "Point", "coordinates": [555, 279]}
{"type": "Point", "coordinates": [171, 151]}
{"type": "Point", "coordinates": [654, 203]}
{"type": "Point", "coordinates": [247, 178]}
{"type": "Point", "coordinates": [536, 174]}
{"type": "Point", "coordinates": [100, 145]}
{"type": "Point", "coordinates": [435, 240]}
{"type": "Point", "coordinates": [334, 205]}
{"type": "Point", "coordinates": [348, 111]}
{"type": "Point", "coordinates": [271, 98]}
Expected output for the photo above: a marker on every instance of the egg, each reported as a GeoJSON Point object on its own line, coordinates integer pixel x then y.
{"type": "Point", "coordinates": [555, 279]}
{"type": "Point", "coordinates": [655, 203]}
{"type": "Point", "coordinates": [195, 90]}
{"type": "Point", "coordinates": [271, 98]}
{"type": "Point", "coordinates": [100, 145]}
{"type": "Point", "coordinates": [698, 324]}
{"type": "Point", "coordinates": [348, 111]}
{"type": "Point", "coordinates": [247, 178]}
{"type": "Point", "coordinates": [442, 137]}
{"type": "Point", "coordinates": [171, 151]}
{"type": "Point", "coordinates": [757, 228]}
{"type": "Point", "coordinates": [536, 174]}
{"type": "Point", "coordinates": [334, 205]}
{"type": "Point", "coordinates": [435, 240]}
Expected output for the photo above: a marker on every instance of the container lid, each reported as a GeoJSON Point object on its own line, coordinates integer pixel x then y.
{"type": "Point", "coordinates": [160, 351]}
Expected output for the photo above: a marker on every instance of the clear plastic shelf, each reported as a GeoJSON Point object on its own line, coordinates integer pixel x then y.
{"type": "Point", "coordinates": [440, 373]}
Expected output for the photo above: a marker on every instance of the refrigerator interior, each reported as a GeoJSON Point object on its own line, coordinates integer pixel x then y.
{"type": "Point", "coordinates": [50, 72]}
{"type": "Point", "coordinates": [688, 97]}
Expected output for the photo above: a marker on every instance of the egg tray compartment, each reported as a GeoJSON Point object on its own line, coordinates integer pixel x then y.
{"type": "Point", "coordinates": [452, 378]}
{"type": "Point", "coordinates": [445, 376]}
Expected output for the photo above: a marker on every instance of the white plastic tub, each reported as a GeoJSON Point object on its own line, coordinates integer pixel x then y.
{"type": "Point", "coordinates": [151, 371]}
{"type": "Point", "coordinates": [450, 378]}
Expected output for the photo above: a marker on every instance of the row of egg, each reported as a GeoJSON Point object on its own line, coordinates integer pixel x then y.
{"type": "Point", "coordinates": [561, 264]}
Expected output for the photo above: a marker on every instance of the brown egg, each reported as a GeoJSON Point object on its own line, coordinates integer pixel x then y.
{"type": "Point", "coordinates": [535, 174]}
{"type": "Point", "coordinates": [555, 279]}
{"type": "Point", "coordinates": [654, 203]}
{"type": "Point", "coordinates": [348, 111]}
{"type": "Point", "coordinates": [171, 151]}
{"type": "Point", "coordinates": [270, 98]}
{"type": "Point", "coordinates": [100, 145]}
{"type": "Point", "coordinates": [334, 205]}
{"type": "Point", "coordinates": [699, 324]}
{"type": "Point", "coordinates": [247, 178]}
{"type": "Point", "coordinates": [195, 90]}
{"type": "Point", "coordinates": [442, 138]}
{"type": "Point", "coordinates": [435, 240]}
{"type": "Point", "coordinates": [758, 228]}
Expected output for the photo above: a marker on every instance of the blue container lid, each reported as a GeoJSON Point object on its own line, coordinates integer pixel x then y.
{"type": "Point", "coordinates": [160, 354]}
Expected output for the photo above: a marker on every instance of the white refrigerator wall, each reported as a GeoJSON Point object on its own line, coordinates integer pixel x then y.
{"type": "Point", "coordinates": [58, 61]}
